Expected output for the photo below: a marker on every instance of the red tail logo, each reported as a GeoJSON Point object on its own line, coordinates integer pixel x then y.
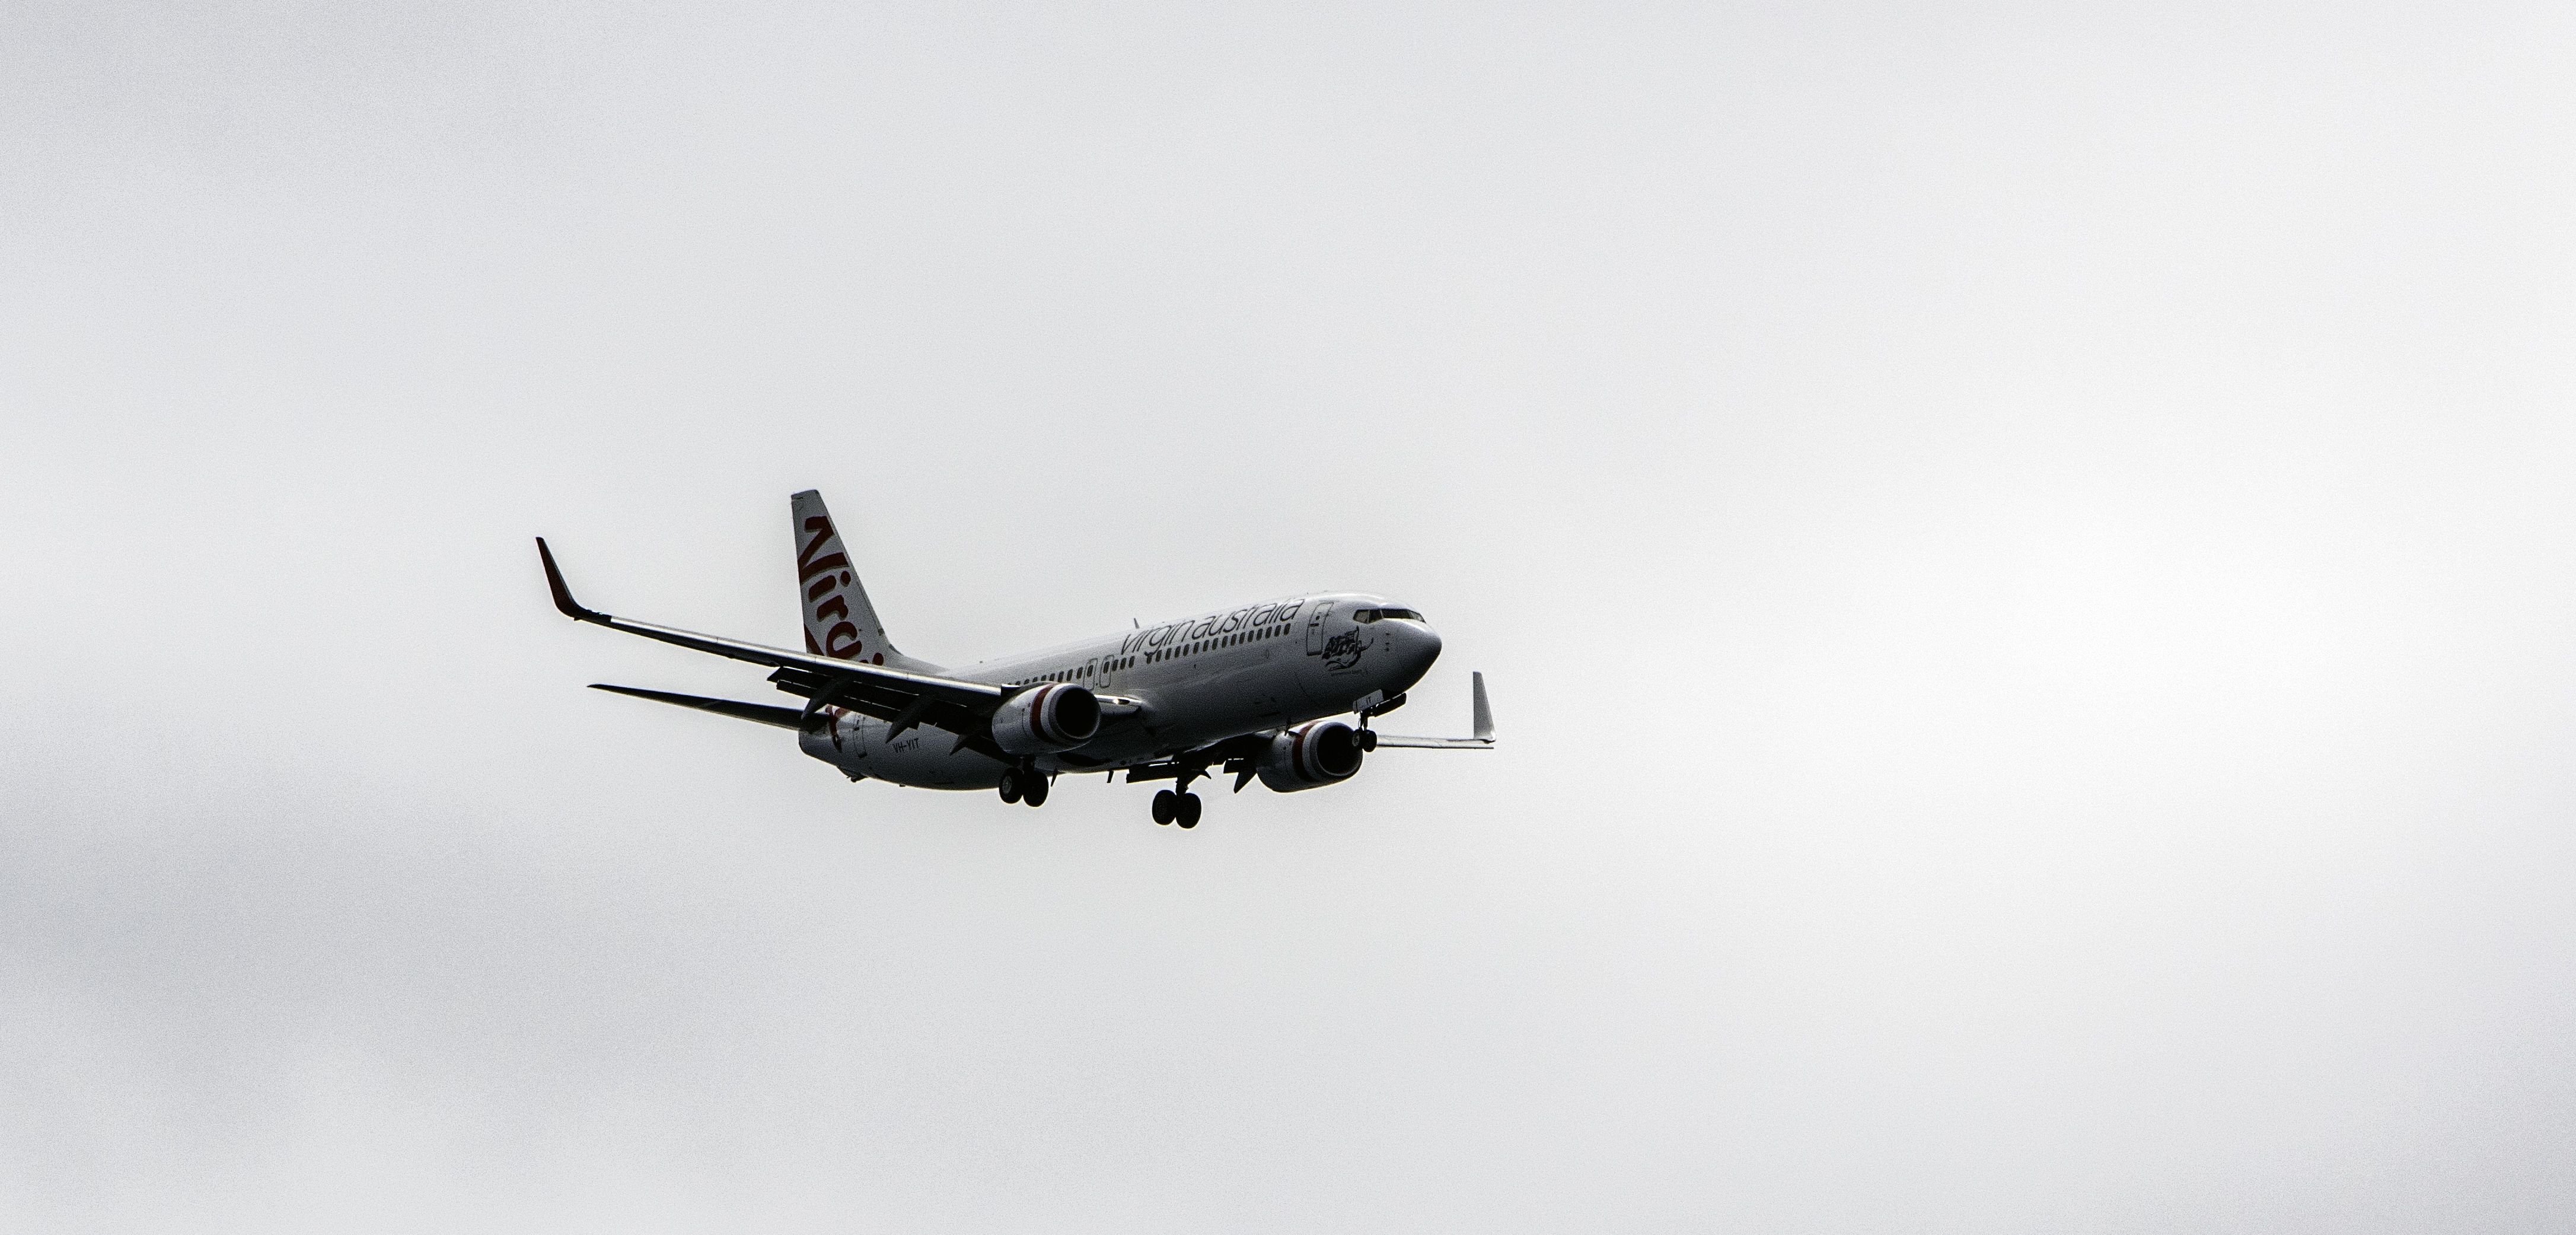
{"type": "Point", "coordinates": [823, 577]}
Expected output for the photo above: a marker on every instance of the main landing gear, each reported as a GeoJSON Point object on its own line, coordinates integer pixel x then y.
{"type": "Point", "coordinates": [1177, 804]}
{"type": "Point", "coordinates": [1181, 808]}
{"type": "Point", "coordinates": [1024, 785]}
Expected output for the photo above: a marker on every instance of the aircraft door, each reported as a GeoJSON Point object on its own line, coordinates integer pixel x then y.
{"type": "Point", "coordinates": [1315, 628]}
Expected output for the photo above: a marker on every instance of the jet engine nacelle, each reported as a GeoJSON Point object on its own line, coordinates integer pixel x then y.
{"type": "Point", "coordinates": [1323, 752]}
{"type": "Point", "coordinates": [1045, 719]}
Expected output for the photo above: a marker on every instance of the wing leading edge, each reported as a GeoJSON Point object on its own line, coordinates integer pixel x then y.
{"type": "Point", "coordinates": [900, 696]}
{"type": "Point", "coordinates": [979, 696]}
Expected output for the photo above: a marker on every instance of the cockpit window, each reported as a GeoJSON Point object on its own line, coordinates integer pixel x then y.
{"type": "Point", "coordinates": [1381, 615]}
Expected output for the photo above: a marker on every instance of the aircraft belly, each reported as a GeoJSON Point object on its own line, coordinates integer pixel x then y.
{"type": "Point", "coordinates": [922, 757]}
{"type": "Point", "coordinates": [1110, 750]}
{"type": "Point", "coordinates": [1210, 707]}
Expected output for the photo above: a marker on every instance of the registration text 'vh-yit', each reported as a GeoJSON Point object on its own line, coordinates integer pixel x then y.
{"type": "Point", "coordinates": [1255, 691]}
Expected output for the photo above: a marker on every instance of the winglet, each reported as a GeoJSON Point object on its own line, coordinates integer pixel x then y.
{"type": "Point", "coordinates": [563, 595]}
{"type": "Point", "coordinates": [1484, 739]}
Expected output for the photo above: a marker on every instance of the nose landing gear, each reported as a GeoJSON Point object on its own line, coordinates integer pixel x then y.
{"type": "Point", "coordinates": [1365, 736]}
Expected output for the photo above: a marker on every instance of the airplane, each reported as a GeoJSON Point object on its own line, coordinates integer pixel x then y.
{"type": "Point", "coordinates": [1252, 690]}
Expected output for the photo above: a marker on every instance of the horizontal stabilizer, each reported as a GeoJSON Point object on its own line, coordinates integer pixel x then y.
{"type": "Point", "coordinates": [784, 718]}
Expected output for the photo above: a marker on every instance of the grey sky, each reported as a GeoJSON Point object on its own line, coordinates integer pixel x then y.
{"type": "Point", "coordinates": [2022, 557]}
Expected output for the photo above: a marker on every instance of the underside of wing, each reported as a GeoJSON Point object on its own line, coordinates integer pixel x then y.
{"type": "Point", "coordinates": [893, 703]}
{"type": "Point", "coordinates": [1481, 719]}
{"type": "Point", "coordinates": [784, 718]}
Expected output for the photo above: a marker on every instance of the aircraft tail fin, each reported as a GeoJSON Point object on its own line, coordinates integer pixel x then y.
{"type": "Point", "coordinates": [839, 621]}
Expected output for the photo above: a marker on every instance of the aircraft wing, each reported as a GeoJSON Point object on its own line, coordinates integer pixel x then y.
{"type": "Point", "coordinates": [979, 697]}
{"type": "Point", "coordinates": [869, 689]}
{"type": "Point", "coordinates": [784, 718]}
{"type": "Point", "coordinates": [1484, 728]}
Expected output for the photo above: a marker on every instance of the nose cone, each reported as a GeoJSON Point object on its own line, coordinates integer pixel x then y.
{"type": "Point", "coordinates": [1415, 646]}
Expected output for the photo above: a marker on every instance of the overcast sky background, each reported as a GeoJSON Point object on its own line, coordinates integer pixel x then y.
{"type": "Point", "coordinates": [2022, 555]}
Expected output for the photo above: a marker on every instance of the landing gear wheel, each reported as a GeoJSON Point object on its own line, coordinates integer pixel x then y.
{"type": "Point", "coordinates": [1035, 794]}
{"type": "Point", "coordinates": [1367, 739]}
{"type": "Point", "coordinates": [1010, 784]}
{"type": "Point", "coordinates": [1163, 806]}
{"type": "Point", "coordinates": [1188, 815]}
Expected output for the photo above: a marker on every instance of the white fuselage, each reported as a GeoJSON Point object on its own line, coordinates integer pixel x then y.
{"type": "Point", "coordinates": [1200, 680]}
